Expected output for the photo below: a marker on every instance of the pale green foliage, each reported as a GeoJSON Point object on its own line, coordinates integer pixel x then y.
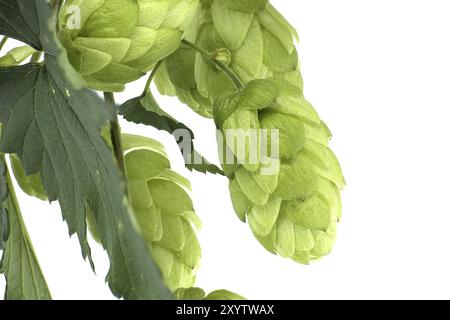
{"type": "Point", "coordinates": [163, 209]}
{"type": "Point", "coordinates": [294, 211]}
{"type": "Point", "coordinates": [117, 42]}
{"type": "Point", "coordinates": [251, 37]}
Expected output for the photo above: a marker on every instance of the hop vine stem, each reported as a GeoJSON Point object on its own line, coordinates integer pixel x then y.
{"type": "Point", "coordinates": [116, 135]}
{"type": "Point", "coordinates": [227, 70]}
{"type": "Point", "coordinates": [152, 76]}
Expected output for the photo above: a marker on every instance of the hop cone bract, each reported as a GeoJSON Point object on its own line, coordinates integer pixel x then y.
{"type": "Point", "coordinates": [113, 42]}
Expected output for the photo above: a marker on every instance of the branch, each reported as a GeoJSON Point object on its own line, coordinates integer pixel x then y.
{"type": "Point", "coordinates": [116, 136]}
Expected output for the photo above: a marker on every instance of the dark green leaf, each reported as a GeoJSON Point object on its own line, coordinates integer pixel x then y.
{"type": "Point", "coordinates": [145, 110]}
{"type": "Point", "coordinates": [19, 20]}
{"type": "Point", "coordinates": [54, 128]}
{"type": "Point", "coordinates": [3, 211]}
{"type": "Point", "coordinates": [25, 280]}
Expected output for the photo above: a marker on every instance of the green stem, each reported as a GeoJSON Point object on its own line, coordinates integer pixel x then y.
{"type": "Point", "coordinates": [36, 57]}
{"type": "Point", "coordinates": [227, 70]}
{"type": "Point", "coordinates": [2, 43]}
{"type": "Point", "coordinates": [152, 76]}
{"type": "Point", "coordinates": [116, 135]}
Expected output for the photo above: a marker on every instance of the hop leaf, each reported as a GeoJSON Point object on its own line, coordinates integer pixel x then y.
{"type": "Point", "coordinates": [250, 37]}
{"type": "Point", "coordinates": [292, 211]}
{"type": "Point", "coordinates": [112, 42]}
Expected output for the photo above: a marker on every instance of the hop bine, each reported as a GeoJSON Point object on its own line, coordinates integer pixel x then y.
{"type": "Point", "coordinates": [114, 42]}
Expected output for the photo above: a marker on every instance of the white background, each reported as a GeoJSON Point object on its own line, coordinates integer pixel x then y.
{"type": "Point", "coordinates": [378, 73]}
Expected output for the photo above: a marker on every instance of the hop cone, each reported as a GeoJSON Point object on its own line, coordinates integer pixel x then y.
{"type": "Point", "coordinates": [294, 208]}
{"type": "Point", "coordinates": [250, 37]}
{"type": "Point", "coordinates": [163, 210]}
{"type": "Point", "coordinates": [113, 42]}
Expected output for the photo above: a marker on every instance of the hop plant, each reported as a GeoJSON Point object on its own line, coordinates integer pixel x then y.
{"type": "Point", "coordinates": [113, 42]}
{"type": "Point", "coordinates": [232, 60]}
{"type": "Point", "coordinates": [163, 209]}
{"type": "Point", "coordinates": [293, 209]}
{"type": "Point", "coordinates": [250, 37]}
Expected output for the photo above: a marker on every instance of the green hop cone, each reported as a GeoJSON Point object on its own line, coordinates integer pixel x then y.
{"type": "Point", "coordinates": [292, 202]}
{"type": "Point", "coordinates": [199, 294]}
{"type": "Point", "coordinates": [114, 42]}
{"type": "Point", "coordinates": [250, 37]}
{"type": "Point", "coordinates": [163, 210]}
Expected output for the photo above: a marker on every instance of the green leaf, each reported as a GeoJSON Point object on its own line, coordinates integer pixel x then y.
{"type": "Point", "coordinates": [19, 20]}
{"type": "Point", "coordinates": [145, 110]}
{"type": "Point", "coordinates": [19, 264]}
{"type": "Point", "coordinates": [54, 127]}
{"type": "Point", "coordinates": [3, 211]}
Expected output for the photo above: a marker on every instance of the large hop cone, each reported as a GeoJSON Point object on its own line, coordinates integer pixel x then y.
{"type": "Point", "coordinates": [250, 37]}
{"type": "Point", "coordinates": [287, 189]}
{"type": "Point", "coordinates": [163, 209]}
{"type": "Point", "coordinates": [113, 42]}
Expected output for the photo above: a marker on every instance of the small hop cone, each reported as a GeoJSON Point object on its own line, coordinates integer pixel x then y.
{"type": "Point", "coordinates": [250, 37]}
{"type": "Point", "coordinates": [163, 210]}
{"type": "Point", "coordinates": [114, 42]}
{"type": "Point", "coordinates": [293, 209]}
